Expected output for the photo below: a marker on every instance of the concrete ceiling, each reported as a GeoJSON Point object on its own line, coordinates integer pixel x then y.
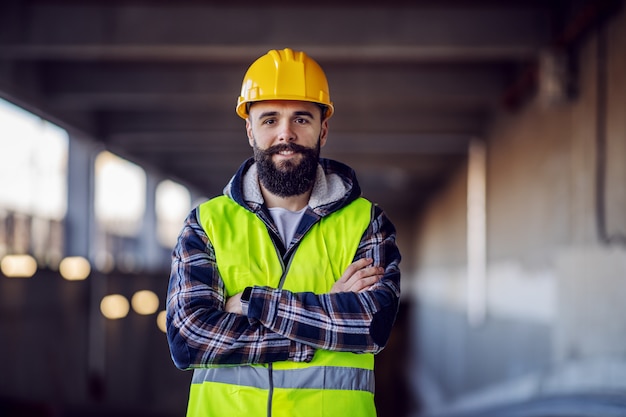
{"type": "Point", "coordinates": [157, 81]}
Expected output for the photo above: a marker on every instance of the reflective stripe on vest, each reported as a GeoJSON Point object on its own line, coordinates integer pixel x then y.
{"type": "Point", "coordinates": [333, 383]}
{"type": "Point", "coordinates": [327, 377]}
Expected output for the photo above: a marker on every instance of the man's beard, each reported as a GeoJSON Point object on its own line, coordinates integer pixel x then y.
{"type": "Point", "coordinates": [287, 178]}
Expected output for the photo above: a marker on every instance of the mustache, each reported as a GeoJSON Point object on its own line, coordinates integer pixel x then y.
{"type": "Point", "coordinates": [285, 147]}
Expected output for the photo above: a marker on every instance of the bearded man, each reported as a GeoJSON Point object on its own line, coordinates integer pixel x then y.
{"type": "Point", "coordinates": [283, 289]}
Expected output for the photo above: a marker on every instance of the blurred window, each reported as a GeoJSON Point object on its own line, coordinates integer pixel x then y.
{"type": "Point", "coordinates": [33, 164]}
{"type": "Point", "coordinates": [120, 195]}
{"type": "Point", "coordinates": [173, 203]}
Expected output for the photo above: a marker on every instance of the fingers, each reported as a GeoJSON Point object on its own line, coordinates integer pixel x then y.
{"type": "Point", "coordinates": [359, 276]}
{"type": "Point", "coordinates": [355, 267]}
{"type": "Point", "coordinates": [233, 304]}
{"type": "Point", "coordinates": [364, 278]}
{"type": "Point", "coordinates": [364, 283]}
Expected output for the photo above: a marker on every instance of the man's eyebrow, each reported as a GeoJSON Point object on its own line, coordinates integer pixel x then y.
{"type": "Point", "coordinates": [304, 113]}
{"type": "Point", "coordinates": [296, 113]}
{"type": "Point", "coordinates": [267, 114]}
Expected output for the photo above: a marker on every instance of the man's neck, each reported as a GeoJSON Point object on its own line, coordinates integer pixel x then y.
{"type": "Point", "coordinates": [293, 203]}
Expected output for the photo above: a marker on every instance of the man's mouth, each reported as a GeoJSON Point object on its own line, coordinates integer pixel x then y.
{"type": "Point", "coordinates": [287, 150]}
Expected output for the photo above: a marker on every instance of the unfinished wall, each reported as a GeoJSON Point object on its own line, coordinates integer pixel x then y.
{"type": "Point", "coordinates": [556, 245]}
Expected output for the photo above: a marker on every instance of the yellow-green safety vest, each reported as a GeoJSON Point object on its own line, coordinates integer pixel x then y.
{"type": "Point", "coordinates": [333, 383]}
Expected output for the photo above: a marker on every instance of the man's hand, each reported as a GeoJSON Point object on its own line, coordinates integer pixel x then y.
{"type": "Point", "coordinates": [358, 276]}
{"type": "Point", "coordinates": [233, 304]}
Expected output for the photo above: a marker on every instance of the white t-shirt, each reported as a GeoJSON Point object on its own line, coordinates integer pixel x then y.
{"type": "Point", "coordinates": [287, 222]}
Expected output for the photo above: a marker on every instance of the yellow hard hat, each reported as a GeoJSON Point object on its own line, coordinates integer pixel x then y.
{"type": "Point", "coordinates": [284, 75]}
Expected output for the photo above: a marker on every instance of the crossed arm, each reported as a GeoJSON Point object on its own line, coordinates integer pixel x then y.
{"type": "Point", "coordinates": [359, 276]}
{"type": "Point", "coordinates": [355, 316]}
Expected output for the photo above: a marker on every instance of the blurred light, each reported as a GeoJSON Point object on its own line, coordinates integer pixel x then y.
{"type": "Point", "coordinates": [114, 306]}
{"type": "Point", "coordinates": [18, 266]}
{"type": "Point", "coordinates": [161, 321]}
{"type": "Point", "coordinates": [74, 268]}
{"type": "Point", "coordinates": [145, 302]}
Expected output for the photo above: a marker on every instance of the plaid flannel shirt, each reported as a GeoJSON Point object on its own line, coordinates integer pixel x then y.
{"type": "Point", "coordinates": [280, 325]}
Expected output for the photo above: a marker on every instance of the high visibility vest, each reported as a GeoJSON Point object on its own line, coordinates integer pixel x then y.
{"type": "Point", "coordinates": [333, 383]}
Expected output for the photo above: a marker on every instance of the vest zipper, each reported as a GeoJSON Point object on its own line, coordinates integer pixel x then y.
{"type": "Point", "coordinates": [270, 367]}
{"type": "Point", "coordinates": [290, 252]}
{"type": "Point", "coordinates": [271, 390]}
{"type": "Point", "coordinates": [289, 257]}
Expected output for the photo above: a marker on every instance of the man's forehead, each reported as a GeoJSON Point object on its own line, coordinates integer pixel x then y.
{"type": "Point", "coordinates": [283, 106]}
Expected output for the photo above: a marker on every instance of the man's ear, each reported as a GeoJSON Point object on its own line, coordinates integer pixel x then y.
{"type": "Point", "coordinates": [324, 132]}
{"type": "Point", "coordinates": [249, 132]}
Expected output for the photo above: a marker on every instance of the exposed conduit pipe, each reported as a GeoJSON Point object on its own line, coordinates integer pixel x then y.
{"type": "Point", "coordinates": [602, 90]}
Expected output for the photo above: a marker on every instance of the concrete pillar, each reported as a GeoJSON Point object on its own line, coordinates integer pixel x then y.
{"type": "Point", "coordinates": [82, 240]}
{"type": "Point", "coordinates": [80, 226]}
{"type": "Point", "coordinates": [149, 248]}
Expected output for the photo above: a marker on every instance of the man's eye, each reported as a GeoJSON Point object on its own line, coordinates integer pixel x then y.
{"type": "Point", "coordinates": [269, 122]}
{"type": "Point", "coordinates": [301, 120]}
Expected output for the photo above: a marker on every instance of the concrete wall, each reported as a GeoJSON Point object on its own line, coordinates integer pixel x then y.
{"type": "Point", "coordinates": [556, 249]}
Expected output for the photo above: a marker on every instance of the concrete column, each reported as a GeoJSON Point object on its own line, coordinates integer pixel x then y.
{"type": "Point", "coordinates": [80, 223]}
{"type": "Point", "coordinates": [149, 249]}
{"type": "Point", "coordinates": [82, 240]}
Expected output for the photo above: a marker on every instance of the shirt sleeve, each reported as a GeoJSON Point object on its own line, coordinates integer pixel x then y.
{"type": "Point", "coordinates": [199, 331]}
{"type": "Point", "coordinates": [349, 321]}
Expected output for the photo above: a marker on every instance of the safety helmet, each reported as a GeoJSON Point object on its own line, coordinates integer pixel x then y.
{"type": "Point", "coordinates": [284, 75]}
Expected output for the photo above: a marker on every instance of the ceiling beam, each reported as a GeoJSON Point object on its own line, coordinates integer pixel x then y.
{"type": "Point", "coordinates": [239, 54]}
{"type": "Point", "coordinates": [163, 32]}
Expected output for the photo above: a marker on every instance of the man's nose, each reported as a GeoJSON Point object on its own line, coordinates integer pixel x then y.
{"type": "Point", "coordinates": [286, 133]}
